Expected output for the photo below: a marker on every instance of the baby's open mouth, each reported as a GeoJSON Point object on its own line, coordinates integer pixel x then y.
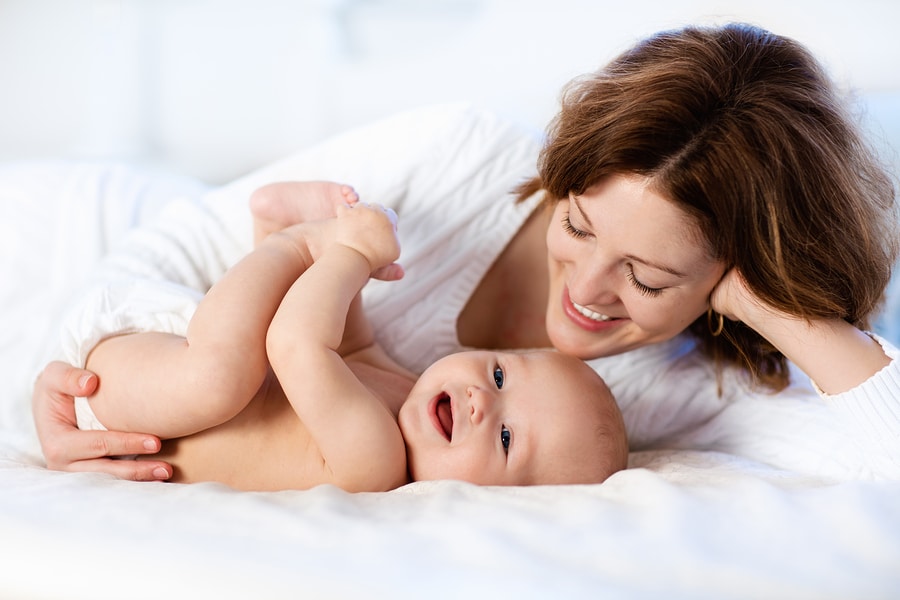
{"type": "Point", "coordinates": [444, 413]}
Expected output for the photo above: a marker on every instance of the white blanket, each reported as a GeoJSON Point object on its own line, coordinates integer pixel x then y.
{"type": "Point", "coordinates": [677, 524]}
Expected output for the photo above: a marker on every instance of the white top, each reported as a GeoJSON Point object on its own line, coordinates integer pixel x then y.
{"type": "Point", "coordinates": [448, 172]}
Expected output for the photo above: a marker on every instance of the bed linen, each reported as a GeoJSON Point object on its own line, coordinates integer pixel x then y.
{"type": "Point", "coordinates": [676, 524]}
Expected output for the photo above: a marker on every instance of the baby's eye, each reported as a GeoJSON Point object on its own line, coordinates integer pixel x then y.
{"type": "Point", "coordinates": [498, 377]}
{"type": "Point", "coordinates": [505, 438]}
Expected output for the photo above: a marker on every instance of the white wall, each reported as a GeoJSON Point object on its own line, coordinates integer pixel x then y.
{"type": "Point", "coordinates": [213, 88]}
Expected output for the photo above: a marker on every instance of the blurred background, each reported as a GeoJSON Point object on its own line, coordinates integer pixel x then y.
{"type": "Point", "coordinates": [215, 88]}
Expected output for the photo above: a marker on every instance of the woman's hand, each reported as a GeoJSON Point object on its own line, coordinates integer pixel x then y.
{"type": "Point", "coordinates": [67, 448]}
{"type": "Point", "coordinates": [833, 353]}
{"type": "Point", "coordinates": [734, 300]}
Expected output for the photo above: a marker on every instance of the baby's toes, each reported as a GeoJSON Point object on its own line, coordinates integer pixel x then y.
{"type": "Point", "coordinates": [350, 195]}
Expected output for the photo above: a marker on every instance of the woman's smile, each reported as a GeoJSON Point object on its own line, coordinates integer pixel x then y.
{"type": "Point", "coordinates": [637, 265]}
{"type": "Point", "coordinates": [595, 316]}
{"type": "Point", "coordinates": [586, 318]}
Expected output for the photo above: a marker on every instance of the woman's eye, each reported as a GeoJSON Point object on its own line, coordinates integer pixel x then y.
{"type": "Point", "coordinates": [572, 230]}
{"type": "Point", "coordinates": [505, 438]}
{"type": "Point", "coordinates": [498, 377]}
{"type": "Point", "coordinates": [646, 290]}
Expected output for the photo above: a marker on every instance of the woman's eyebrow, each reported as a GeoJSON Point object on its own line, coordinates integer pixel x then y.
{"type": "Point", "coordinates": [577, 204]}
{"type": "Point", "coordinates": [654, 265]}
{"type": "Point", "coordinates": [631, 257]}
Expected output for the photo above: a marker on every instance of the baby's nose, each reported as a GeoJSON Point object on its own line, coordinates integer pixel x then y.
{"type": "Point", "coordinates": [479, 403]}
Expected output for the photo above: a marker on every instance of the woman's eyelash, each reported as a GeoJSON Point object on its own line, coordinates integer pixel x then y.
{"type": "Point", "coordinates": [570, 229]}
{"type": "Point", "coordinates": [646, 290]}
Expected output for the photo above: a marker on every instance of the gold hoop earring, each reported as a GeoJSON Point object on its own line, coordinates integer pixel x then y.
{"type": "Point", "coordinates": [709, 322]}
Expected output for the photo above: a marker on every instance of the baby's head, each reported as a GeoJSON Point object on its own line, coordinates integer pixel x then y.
{"type": "Point", "coordinates": [513, 418]}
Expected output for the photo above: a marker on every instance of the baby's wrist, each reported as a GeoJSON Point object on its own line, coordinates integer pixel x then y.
{"type": "Point", "coordinates": [351, 252]}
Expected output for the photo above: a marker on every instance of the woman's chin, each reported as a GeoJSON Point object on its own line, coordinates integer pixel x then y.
{"type": "Point", "coordinates": [585, 349]}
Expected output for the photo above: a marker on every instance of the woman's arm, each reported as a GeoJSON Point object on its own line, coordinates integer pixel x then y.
{"type": "Point", "coordinates": [833, 353]}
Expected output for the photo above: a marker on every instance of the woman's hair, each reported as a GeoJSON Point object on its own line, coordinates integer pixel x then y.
{"type": "Point", "coordinates": [743, 130]}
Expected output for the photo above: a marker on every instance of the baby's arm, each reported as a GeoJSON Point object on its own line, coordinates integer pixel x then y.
{"type": "Point", "coordinates": [360, 441]}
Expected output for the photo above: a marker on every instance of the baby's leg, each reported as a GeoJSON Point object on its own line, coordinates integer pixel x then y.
{"type": "Point", "coordinates": [279, 205]}
{"type": "Point", "coordinates": [150, 382]}
{"type": "Point", "coordinates": [173, 386]}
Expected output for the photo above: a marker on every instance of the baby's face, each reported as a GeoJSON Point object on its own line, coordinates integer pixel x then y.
{"type": "Point", "coordinates": [495, 418]}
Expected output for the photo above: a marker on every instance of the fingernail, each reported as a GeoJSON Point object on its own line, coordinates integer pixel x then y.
{"type": "Point", "coordinates": [160, 473]}
{"type": "Point", "coordinates": [83, 380]}
{"type": "Point", "coordinates": [150, 445]}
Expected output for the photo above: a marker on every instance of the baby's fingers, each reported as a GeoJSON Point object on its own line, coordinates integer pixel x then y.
{"type": "Point", "coordinates": [391, 272]}
{"type": "Point", "coordinates": [387, 210]}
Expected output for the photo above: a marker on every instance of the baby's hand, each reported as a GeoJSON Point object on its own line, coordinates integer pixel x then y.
{"type": "Point", "coordinates": [371, 230]}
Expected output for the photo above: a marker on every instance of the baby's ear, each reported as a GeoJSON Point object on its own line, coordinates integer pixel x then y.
{"type": "Point", "coordinates": [391, 272]}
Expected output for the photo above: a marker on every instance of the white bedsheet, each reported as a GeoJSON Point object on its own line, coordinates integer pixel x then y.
{"type": "Point", "coordinates": [677, 524]}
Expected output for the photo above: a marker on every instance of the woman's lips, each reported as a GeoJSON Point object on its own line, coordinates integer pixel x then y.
{"type": "Point", "coordinates": [442, 415]}
{"type": "Point", "coordinates": [586, 318]}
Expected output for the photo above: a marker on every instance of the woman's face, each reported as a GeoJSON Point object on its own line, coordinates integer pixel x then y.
{"type": "Point", "coordinates": [627, 268]}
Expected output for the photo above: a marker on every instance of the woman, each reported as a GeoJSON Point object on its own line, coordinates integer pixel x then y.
{"type": "Point", "coordinates": [709, 213]}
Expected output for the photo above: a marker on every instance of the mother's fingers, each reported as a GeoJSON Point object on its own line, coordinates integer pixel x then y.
{"type": "Point", "coordinates": [133, 470]}
{"type": "Point", "coordinates": [67, 448]}
{"type": "Point", "coordinates": [71, 445]}
{"type": "Point", "coordinates": [73, 450]}
{"type": "Point", "coordinates": [63, 378]}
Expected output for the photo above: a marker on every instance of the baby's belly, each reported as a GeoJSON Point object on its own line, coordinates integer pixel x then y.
{"type": "Point", "coordinates": [265, 447]}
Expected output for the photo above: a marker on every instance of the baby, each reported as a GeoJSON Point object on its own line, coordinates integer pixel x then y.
{"type": "Point", "coordinates": [280, 384]}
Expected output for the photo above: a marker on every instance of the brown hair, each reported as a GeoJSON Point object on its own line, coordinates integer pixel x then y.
{"type": "Point", "coordinates": [743, 130]}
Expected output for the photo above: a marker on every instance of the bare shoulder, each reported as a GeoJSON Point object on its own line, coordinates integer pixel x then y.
{"type": "Point", "coordinates": [382, 375]}
{"type": "Point", "coordinates": [374, 356]}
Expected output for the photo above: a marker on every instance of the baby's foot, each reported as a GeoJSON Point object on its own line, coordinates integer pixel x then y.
{"type": "Point", "coordinates": [349, 194]}
{"type": "Point", "coordinates": [279, 205]}
{"type": "Point", "coordinates": [291, 202]}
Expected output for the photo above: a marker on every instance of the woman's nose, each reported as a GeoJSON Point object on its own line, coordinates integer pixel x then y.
{"type": "Point", "coordinates": [593, 285]}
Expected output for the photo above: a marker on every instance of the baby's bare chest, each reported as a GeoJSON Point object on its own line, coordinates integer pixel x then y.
{"type": "Point", "coordinates": [265, 447]}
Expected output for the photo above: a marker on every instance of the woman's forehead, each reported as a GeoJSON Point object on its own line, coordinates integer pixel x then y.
{"type": "Point", "coordinates": [645, 224]}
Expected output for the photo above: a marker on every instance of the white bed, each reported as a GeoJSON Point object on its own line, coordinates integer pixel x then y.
{"type": "Point", "coordinates": [676, 524]}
